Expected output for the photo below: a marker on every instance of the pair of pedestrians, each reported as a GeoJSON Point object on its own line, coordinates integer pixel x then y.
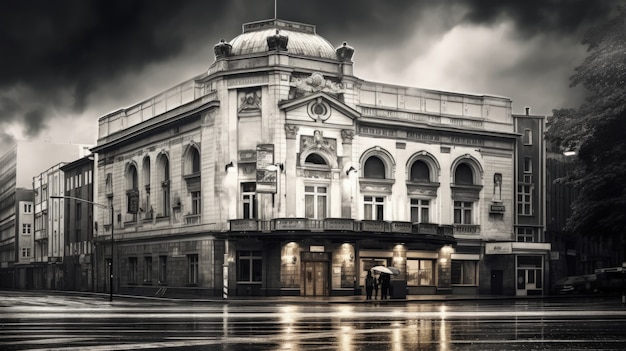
{"type": "Point", "coordinates": [372, 284]}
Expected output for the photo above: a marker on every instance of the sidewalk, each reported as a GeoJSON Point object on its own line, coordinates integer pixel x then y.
{"type": "Point", "coordinates": [314, 300]}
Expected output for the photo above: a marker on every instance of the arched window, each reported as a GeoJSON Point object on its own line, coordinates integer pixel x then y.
{"type": "Point", "coordinates": [147, 206]}
{"type": "Point", "coordinates": [463, 175]}
{"type": "Point", "coordinates": [195, 161]}
{"type": "Point", "coordinates": [315, 159]}
{"type": "Point", "coordinates": [132, 191]}
{"type": "Point", "coordinates": [374, 168]}
{"type": "Point", "coordinates": [164, 177]}
{"type": "Point", "coordinates": [420, 172]}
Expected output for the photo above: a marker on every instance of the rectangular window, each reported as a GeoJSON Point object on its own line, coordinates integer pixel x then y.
{"type": "Point", "coordinates": [463, 212]}
{"type": "Point", "coordinates": [528, 137]}
{"type": "Point", "coordinates": [527, 235]}
{"type": "Point", "coordinates": [192, 264]}
{"type": "Point", "coordinates": [420, 211]}
{"type": "Point", "coordinates": [315, 201]}
{"type": "Point", "coordinates": [250, 266]}
{"type": "Point", "coordinates": [525, 200]}
{"type": "Point", "coordinates": [132, 270]}
{"type": "Point", "coordinates": [420, 272]}
{"type": "Point", "coordinates": [195, 202]}
{"type": "Point", "coordinates": [25, 252]}
{"type": "Point", "coordinates": [464, 272]}
{"type": "Point", "coordinates": [78, 212]}
{"type": "Point", "coordinates": [147, 269]}
{"type": "Point", "coordinates": [374, 208]}
{"type": "Point", "coordinates": [28, 208]}
{"type": "Point", "coordinates": [528, 165]}
{"type": "Point", "coordinates": [26, 228]}
{"type": "Point", "coordinates": [162, 269]}
{"type": "Point", "coordinates": [248, 200]}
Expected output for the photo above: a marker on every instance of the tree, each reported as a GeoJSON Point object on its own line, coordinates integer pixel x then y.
{"type": "Point", "coordinates": [597, 131]}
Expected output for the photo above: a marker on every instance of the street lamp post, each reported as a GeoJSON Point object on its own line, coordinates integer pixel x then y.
{"type": "Point", "coordinates": [110, 208]}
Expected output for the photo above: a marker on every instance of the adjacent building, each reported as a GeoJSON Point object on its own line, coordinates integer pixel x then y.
{"type": "Point", "coordinates": [280, 172]}
{"type": "Point", "coordinates": [17, 205]}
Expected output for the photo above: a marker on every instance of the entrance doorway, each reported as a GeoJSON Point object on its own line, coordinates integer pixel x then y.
{"type": "Point", "coordinates": [497, 282]}
{"type": "Point", "coordinates": [529, 275]}
{"type": "Point", "coordinates": [315, 278]}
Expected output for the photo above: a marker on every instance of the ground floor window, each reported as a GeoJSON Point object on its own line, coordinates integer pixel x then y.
{"type": "Point", "coordinates": [192, 264]}
{"type": "Point", "coordinates": [464, 272]}
{"type": "Point", "coordinates": [420, 272]}
{"type": "Point", "coordinates": [250, 266]}
{"type": "Point", "coordinates": [132, 270]}
{"type": "Point", "coordinates": [147, 269]}
{"type": "Point", "coordinates": [162, 269]}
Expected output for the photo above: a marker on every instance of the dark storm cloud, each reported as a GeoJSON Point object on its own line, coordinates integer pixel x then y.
{"type": "Point", "coordinates": [54, 54]}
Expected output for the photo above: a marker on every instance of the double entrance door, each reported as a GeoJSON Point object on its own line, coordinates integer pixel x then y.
{"type": "Point", "coordinates": [315, 275]}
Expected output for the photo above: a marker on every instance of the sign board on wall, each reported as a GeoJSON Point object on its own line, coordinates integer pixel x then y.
{"type": "Point", "coordinates": [498, 248]}
{"type": "Point", "coordinates": [265, 178]}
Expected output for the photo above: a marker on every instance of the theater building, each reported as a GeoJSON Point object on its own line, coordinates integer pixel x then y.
{"type": "Point", "coordinates": [280, 172]}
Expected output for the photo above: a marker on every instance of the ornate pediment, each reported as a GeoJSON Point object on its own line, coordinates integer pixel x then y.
{"type": "Point", "coordinates": [312, 84]}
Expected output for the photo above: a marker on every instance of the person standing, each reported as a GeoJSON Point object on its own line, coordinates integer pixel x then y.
{"type": "Point", "coordinates": [384, 285]}
{"type": "Point", "coordinates": [370, 281]}
{"type": "Point", "coordinates": [376, 284]}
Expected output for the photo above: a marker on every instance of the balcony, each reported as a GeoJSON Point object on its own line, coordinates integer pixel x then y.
{"type": "Point", "coordinates": [426, 228]}
{"type": "Point", "coordinates": [466, 229]}
{"type": "Point", "coordinates": [192, 219]}
{"type": "Point", "coordinates": [339, 226]}
{"type": "Point", "coordinates": [41, 235]}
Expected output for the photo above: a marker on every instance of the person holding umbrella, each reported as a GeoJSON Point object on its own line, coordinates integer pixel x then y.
{"type": "Point", "coordinates": [385, 279]}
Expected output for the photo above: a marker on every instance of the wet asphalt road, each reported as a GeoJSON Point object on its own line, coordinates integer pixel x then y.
{"type": "Point", "coordinates": [31, 321]}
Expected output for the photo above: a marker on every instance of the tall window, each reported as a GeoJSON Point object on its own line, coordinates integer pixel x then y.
{"type": "Point", "coordinates": [464, 272]}
{"type": "Point", "coordinates": [528, 137]}
{"type": "Point", "coordinates": [195, 202]}
{"type": "Point", "coordinates": [28, 208]}
{"type": "Point", "coordinates": [420, 211]}
{"type": "Point", "coordinates": [525, 200]}
{"type": "Point", "coordinates": [147, 269]}
{"type": "Point", "coordinates": [374, 168]}
{"type": "Point", "coordinates": [162, 269]}
{"type": "Point", "coordinates": [250, 266]}
{"type": "Point", "coordinates": [374, 207]}
{"type": "Point", "coordinates": [464, 175]}
{"type": "Point", "coordinates": [420, 272]}
{"type": "Point", "coordinates": [463, 212]}
{"type": "Point", "coordinates": [26, 228]}
{"type": "Point", "coordinates": [132, 270]}
{"type": "Point", "coordinates": [192, 273]}
{"type": "Point", "coordinates": [315, 201]}
{"type": "Point", "coordinates": [248, 200]}
{"type": "Point", "coordinates": [147, 206]}
{"type": "Point", "coordinates": [26, 252]}
{"type": "Point", "coordinates": [420, 172]}
{"type": "Point", "coordinates": [164, 172]}
{"type": "Point", "coordinates": [132, 191]}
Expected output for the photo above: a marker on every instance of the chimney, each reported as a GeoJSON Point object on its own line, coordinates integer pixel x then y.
{"type": "Point", "coordinates": [527, 110]}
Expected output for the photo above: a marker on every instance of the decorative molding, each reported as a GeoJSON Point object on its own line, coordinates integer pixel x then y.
{"type": "Point", "coordinates": [315, 83]}
{"type": "Point", "coordinates": [347, 135]}
{"type": "Point", "coordinates": [291, 131]}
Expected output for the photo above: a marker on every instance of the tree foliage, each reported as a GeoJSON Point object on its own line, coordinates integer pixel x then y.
{"type": "Point", "coordinates": [597, 131]}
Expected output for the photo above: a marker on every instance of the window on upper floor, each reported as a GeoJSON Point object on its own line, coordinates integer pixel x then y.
{"type": "Point", "coordinates": [316, 201]}
{"type": "Point", "coordinates": [374, 168]}
{"type": "Point", "coordinates": [248, 200]}
{"type": "Point", "coordinates": [26, 228]}
{"type": "Point", "coordinates": [525, 199]}
{"type": "Point", "coordinates": [374, 208]}
{"type": "Point", "coordinates": [28, 208]}
{"type": "Point", "coordinates": [463, 212]}
{"type": "Point", "coordinates": [527, 235]}
{"type": "Point", "coordinates": [164, 178]}
{"type": "Point", "coordinates": [463, 175]}
{"type": "Point", "coordinates": [132, 191]}
{"type": "Point", "coordinates": [420, 172]}
{"type": "Point", "coordinates": [420, 210]}
{"type": "Point", "coordinates": [528, 137]}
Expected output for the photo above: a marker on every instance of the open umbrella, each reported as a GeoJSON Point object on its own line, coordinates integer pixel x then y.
{"type": "Point", "coordinates": [388, 270]}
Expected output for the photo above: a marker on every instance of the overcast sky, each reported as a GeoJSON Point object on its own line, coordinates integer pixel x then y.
{"type": "Point", "coordinates": [64, 64]}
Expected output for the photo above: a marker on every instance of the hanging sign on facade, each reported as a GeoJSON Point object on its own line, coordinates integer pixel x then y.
{"type": "Point", "coordinates": [265, 176]}
{"type": "Point", "coordinates": [501, 248]}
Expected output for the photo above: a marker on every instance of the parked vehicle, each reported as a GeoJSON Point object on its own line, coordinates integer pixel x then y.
{"type": "Point", "coordinates": [578, 284]}
{"type": "Point", "coordinates": [611, 279]}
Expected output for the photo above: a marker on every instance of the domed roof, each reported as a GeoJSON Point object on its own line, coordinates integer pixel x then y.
{"type": "Point", "coordinates": [302, 39]}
